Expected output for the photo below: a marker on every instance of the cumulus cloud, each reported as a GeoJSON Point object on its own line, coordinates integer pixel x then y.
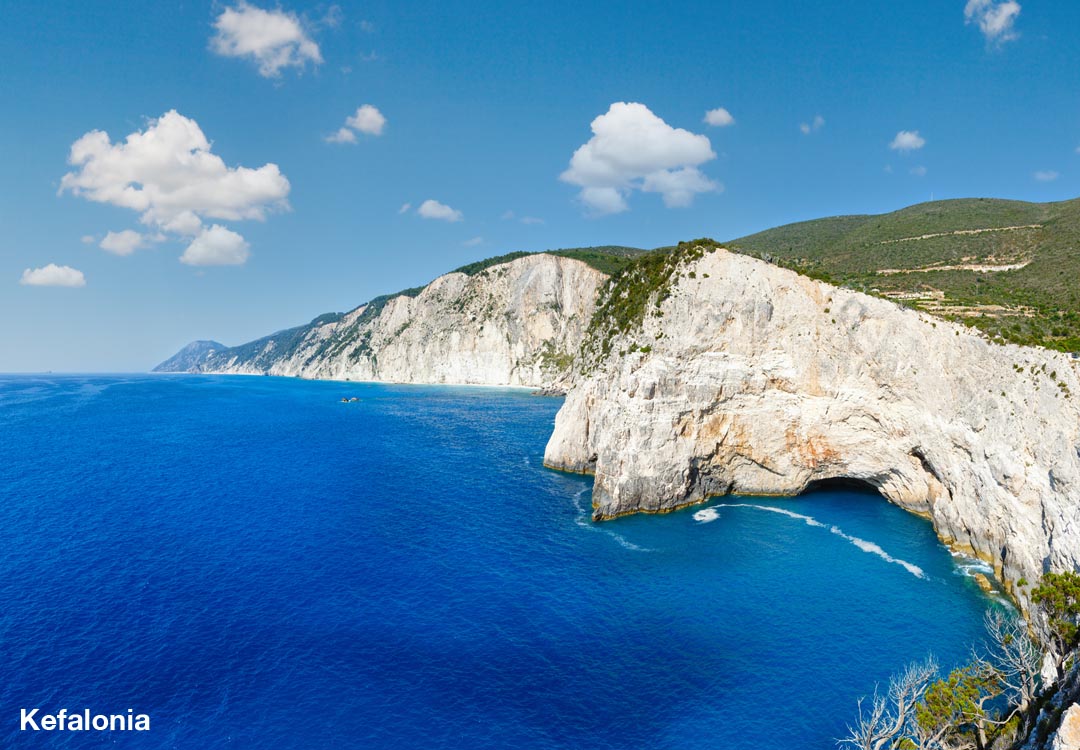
{"type": "Point", "coordinates": [677, 187]}
{"type": "Point", "coordinates": [273, 39]}
{"type": "Point", "coordinates": [53, 275]}
{"type": "Point", "coordinates": [1046, 175]}
{"type": "Point", "coordinates": [404, 208]}
{"type": "Point", "coordinates": [995, 19]}
{"type": "Point", "coordinates": [367, 119]}
{"type": "Point", "coordinates": [87, 239]}
{"type": "Point", "coordinates": [169, 175]}
{"type": "Point", "coordinates": [216, 246]}
{"type": "Point", "coordinates": [633, 149]}
{"type": "Point", "coordinates": [919, 171]}
{"type": "Point", "coordinates": [719, 118]}
{"type": "Point", "coordinates": [907, 140]}
{"type": "Point", "coordinates": [343, 135]}
{"type": "Point", "coordinates": [531, 220]}
{"type": "Point", "coordinates": [122, 243]}
{"type": "Point", "coordinates": [473, 242]}
{"type": "Point", "coordinates": [813, 126]}
{"type": "Point", "coordinates": [432, 209]}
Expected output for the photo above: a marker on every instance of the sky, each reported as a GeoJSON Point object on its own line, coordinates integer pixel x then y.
{"type": "Point", "coordinates": [221, 170]}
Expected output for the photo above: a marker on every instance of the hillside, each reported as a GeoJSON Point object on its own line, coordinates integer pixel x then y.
{"type": "Point", "coordinates": [1008, 268]}
{"type": "Point", "coordinates": [513, 322]}
{"type": "Point", "coordinates": [331, 335]}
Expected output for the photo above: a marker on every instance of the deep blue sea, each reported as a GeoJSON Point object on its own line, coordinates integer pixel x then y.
{"type": "Point", "coordinates": [257, 565]}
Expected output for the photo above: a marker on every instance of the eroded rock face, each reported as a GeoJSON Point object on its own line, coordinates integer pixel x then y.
{"type": "Point", "coordinates": [761, 381]}
{"type": "Point", "coordinates": [517, 323]}
{"type": "Point", "coordinates": [1068, 735]}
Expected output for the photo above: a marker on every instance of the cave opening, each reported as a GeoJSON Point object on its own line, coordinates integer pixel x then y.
{"type": "Point", "coordinates": [846, 483]}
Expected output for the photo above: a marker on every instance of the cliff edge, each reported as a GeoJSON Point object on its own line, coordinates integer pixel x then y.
{"type": "Point", "coordinates": [743, 377]}
{"type": "Point", "coordinates": [514, 323]}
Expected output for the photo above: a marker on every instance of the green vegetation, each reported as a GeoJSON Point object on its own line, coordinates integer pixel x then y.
{"type": "Point", "coordinates": [638, 288]}
{"type": "Point", "coordinates": [932, 250]}
{"type": "Point", "coordinates": [995, 702]}
{"type": "Point", "coordinates": [607, 259]}
{"type": "Point", "coordinates": [264, 352]}
{"type": "Point", "coordinates": [1058, 595]}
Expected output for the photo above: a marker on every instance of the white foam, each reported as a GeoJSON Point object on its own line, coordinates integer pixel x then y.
{"type": "Point", "coordinates": [582, 520]}
{"type": "Point", "coordinates": [874, 549]}
{"type": "Point", "coordinates": [711, 514]}
{"type": "Point", "coordinates": [707, 515]}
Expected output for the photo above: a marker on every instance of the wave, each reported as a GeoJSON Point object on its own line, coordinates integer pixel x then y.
{"type": "Point", "coordinates": [708, 515]}
{"type": "Point", "coordinates": [583, 520]}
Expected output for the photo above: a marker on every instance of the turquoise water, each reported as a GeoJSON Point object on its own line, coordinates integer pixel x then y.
{"type": "Point", "coordinates": [256, 565]}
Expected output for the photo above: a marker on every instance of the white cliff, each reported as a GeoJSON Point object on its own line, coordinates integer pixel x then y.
{"type": "Point", "coordinates": [517, 323]}
{"type": "Point", "coordinates": [756, 380]}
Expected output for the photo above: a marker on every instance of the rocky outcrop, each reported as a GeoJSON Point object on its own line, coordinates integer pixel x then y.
{"type": "Point", "coordinates": [749, 378]}
{"type": "Point", "coordinates": [191, 357]}
{"type": "Point", "coordinates": [517, 323]}
{"type": "Point", "coordinates": [1068, 735]}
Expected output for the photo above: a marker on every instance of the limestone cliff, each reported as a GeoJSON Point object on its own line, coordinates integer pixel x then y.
{"type": "Point", "coordinates": [516, 323]}
{"type": "Point", "coordinates": [748, 378]}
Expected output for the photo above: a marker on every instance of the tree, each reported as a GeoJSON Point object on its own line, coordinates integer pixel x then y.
{"type": "Point", "coordinates": [1015, 657]}
{"type": "Point", "coordinates": [953, 714]}
{"type": "Point", "coordinates": [888, 720]}
{"type": "Point", "coordinates": [1058, 596]}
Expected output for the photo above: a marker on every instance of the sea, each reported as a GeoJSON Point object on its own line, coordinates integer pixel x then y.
{"type": "Point", "coordinates": [252, 563]}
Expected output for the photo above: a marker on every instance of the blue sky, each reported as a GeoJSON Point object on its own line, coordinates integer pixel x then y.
{"type": "Point", "coordinates": [483, 106]}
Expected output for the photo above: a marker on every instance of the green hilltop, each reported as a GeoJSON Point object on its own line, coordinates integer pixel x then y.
{"type": "Point", "coordinates": [1009, 268]}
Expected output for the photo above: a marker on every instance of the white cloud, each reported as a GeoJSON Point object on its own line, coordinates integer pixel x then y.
{"type": "Point", "coordinates": [368, 119]}
{"type": "Point", "coordinates": [367, 27]}
{"type": "Point", "coordinates": [473, 242]}
{"type": "Point", "coordinates": [919, 171]}
{"type": "Point", "coordinates": [216, 246]}
{"type": "Point", "coordinates": [994, 18]}
{"type": "Point", "coordinates": [404, 208]}
{"type": "Point", "coordinates": [88, 239]}
{"type": "Point", "coordinates": [907, 140]}
{"type": "Point", "coordinates": [678, 187]}
{"type": "Point", "coordinates": [343, 135]}
{"type": "Point", "coordinates": [1046, 175]}
{"type": "Point", "coordinates": [633, 149]}
{"type": "Point", "coordinates": [274, 39]}
{"type": "Point", "coordinates": [53, 275]}
{"type": "Point", "coordinates": [604, 200]}
{"type": "Point", "coordinates": [431, 209]}
{"type": "Point", "coordinates": [719, 118]}
{"type": "Point", "coordinates": [122, 243]}
{"type": "Point", "coordinates": [168, 173]}
{"type": "Point", "coordinates": [813, 126]}
{"type": "Point", "coordinates": [507, 215]}
{"type": "Point", "coordinates": [531, 220]}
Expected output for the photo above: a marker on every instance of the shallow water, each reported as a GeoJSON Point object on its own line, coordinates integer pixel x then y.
{"type": "Point", "coordinates": [254, 564]}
